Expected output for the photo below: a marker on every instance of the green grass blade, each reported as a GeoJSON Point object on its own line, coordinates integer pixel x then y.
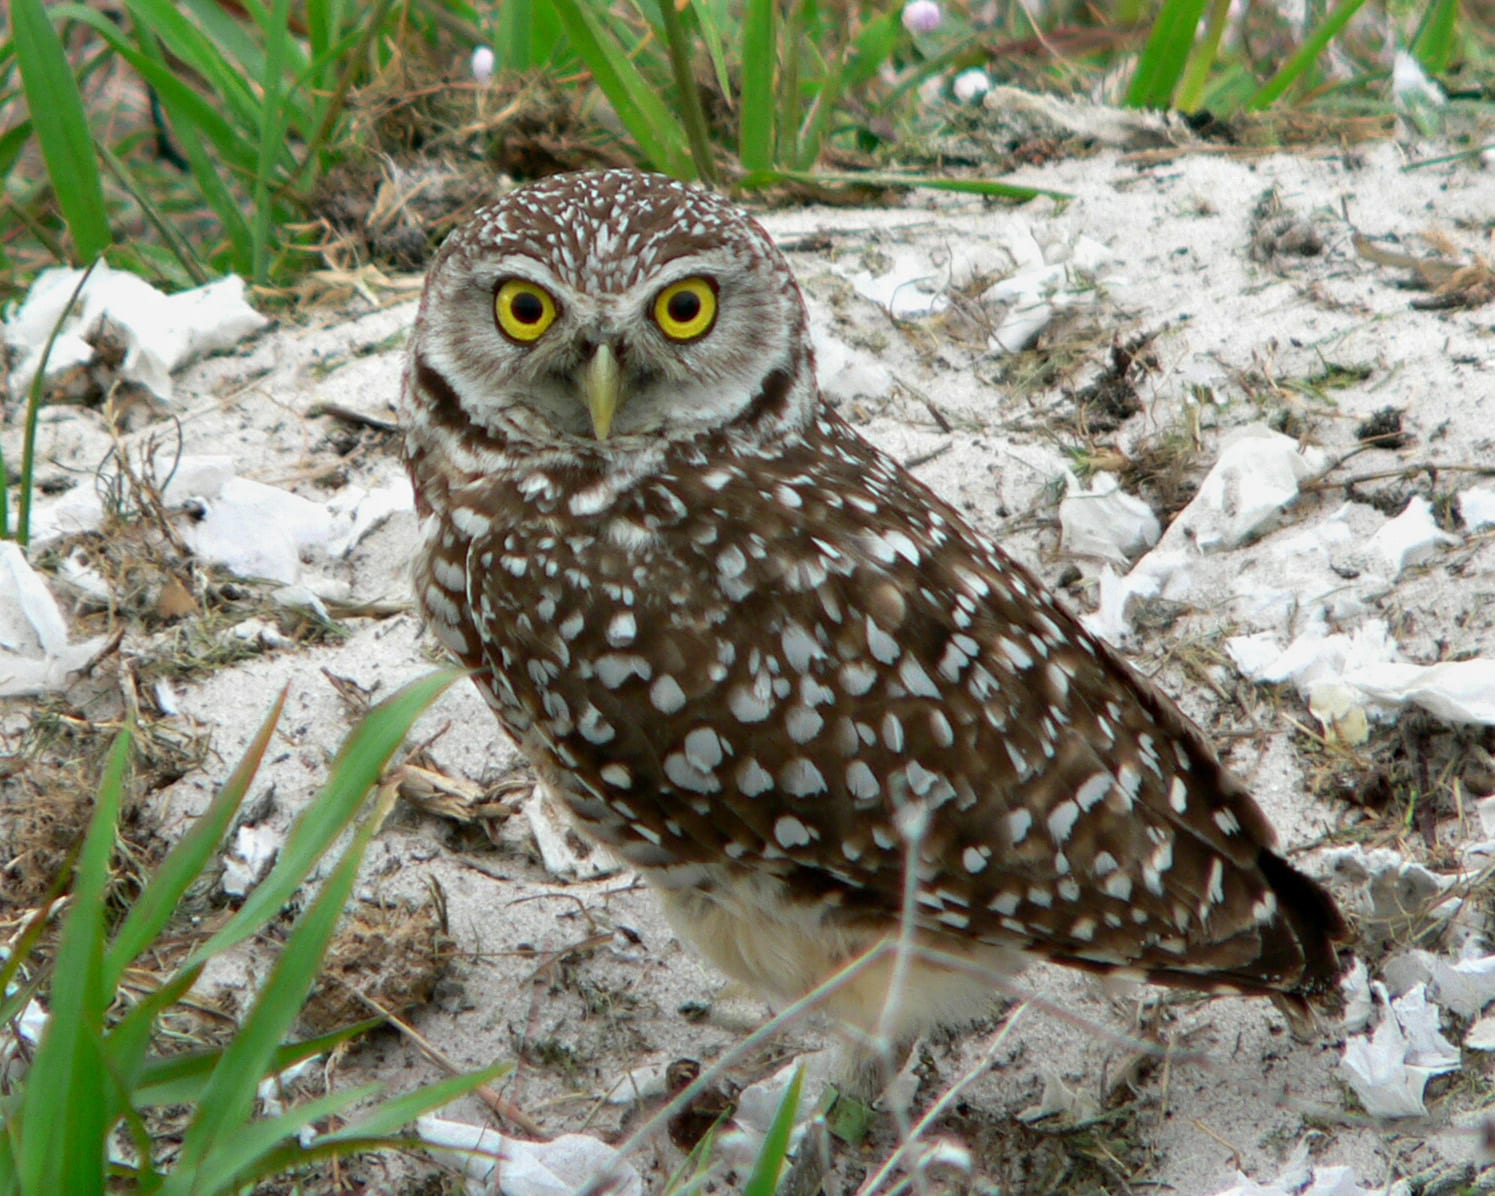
{"type": "Point", "coordinates": [1165, 55]}
{"type": "Point", "coordinates": [811, 136]}
{"type": "Point", "coordinates": [347, 56]}
{"type": "Point", "coordinates": [1437, 35]}
{"type": "Point", "coordinates": [357, 766]}
{"type": "Point", "coordinates": [987, 187]}
{"type": "Point", "coordinates": [33, 409]}
{"type": "Point", "coordinates": [187, 859]}
{"type": "Point", "coordinates": [637, 102]}
{"type": "Point", "coordinates": [760, 53]}
{"type": "Point", "coordinates": [1295, 66]}
{"type": "Point", "coordinates": [181, 248]}
{"type": "Point", "coordinates": [1189, 95]}
{"type": "Point", "coordinates": [13, 142]}
{"type": "Point", "coordinates": [272, 128]}
{"type": "Point", "coordinates": [513, 44]}
{"type": "Point", "coordinates": [61, 126]}
{"type": "Point", "coordinates": [228, 1100]}
{"type": "Point", "coordinates": [192, 119]}
{"type": "Point", "coordinates": [764, 1180]}
{"type": "Point", "coordinates": [130, 1037]}
{"type": "Point", "coordinates": [716, 50]}
{"type": "Point", "coordinates": [874, 46]}
{"type": "Point", "coordinates": [388, 1116]}
{"type": "Point", "coordinates": [161, 27]}
{"type": "Point", "coordinates": [231, 38]}
{"type": "Point", "coordinates": [246, 1156]}
{"type": "Point", "coordinates": [67, 1110]}
{"type": "Point", "coordinates": [180, 1079]}
{"type": "Point", "coordinates": [678, 47]}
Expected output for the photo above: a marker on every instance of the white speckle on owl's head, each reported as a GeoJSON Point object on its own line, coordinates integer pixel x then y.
{"type": "Point", "coordinates": [661, 296]}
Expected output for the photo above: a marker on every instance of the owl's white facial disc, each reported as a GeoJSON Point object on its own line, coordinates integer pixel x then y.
{"type": "Point", "coordinates": [606, 248]}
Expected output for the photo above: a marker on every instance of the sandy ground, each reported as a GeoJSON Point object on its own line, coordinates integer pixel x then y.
{"type": "Point", "coordinates": [581, 981]}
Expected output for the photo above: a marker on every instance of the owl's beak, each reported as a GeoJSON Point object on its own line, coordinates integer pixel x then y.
{"type": "Point", "coordinates": [602, 389]}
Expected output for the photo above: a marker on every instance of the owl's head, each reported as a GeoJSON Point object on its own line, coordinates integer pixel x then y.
{"type": "Point", "coordinates": [615, 306]}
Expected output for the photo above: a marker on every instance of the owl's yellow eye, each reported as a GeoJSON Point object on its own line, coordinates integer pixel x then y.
{"type": "Point", "coordinates": [686, 309]}
{"type": "Point", "coordinates": [524, 310]}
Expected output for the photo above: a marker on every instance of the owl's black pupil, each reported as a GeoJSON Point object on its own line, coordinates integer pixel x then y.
{"type": "Point", "coordinates": [527, 308]}
{"type": "Point", "coordinates": [684, 306]}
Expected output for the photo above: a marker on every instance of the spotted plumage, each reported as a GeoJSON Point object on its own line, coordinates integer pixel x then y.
{"type": "Point", "coordinates": [766, 665]}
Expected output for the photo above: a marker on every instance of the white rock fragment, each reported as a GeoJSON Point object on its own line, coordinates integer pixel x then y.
{"type": "Point", "coordinates": [1103, 520]}
{"type": "Point", "coordinates": [1070, 1104]}
{"type": "Point", "coordinates": [1481, 1036]}
{"type": "Point", "coordinates": [1388, 893]}
{"type": "Point", "coordinates": [252, 529]}
{"type": "Point", "coordinates": [160, 332]}
{"type": "Point", "coordinates": [1464, 986]}
{"type": "Point", "coordinates": [36, 655]}
{"type": "Point", "coordinates": [1477, 506]}
{"type": "Point", "coordinates": [1359, 1003]}
{"type": "Point", "coordinates": [83, 577]}
{"type": "Point", "coordinates": [848, 373]}
{"type": "Point", "coordinates": [1317, 662]}
{"type": "Point", "coordinates": [641, 1083]}
{"type": "Point", "coordinates": [272, 1088]}
{"type": "Point", "coordinates": [248, 860]}
{"type": "Point", "coordinates": [909, 287]}
{"type": "Point", "coordinates": [262, 634]}
{"type": "Point", "coordinates": [554, 837]}
{"type": "Point", "coordinates": [971, 85]}
{"type": "Point", "coordinates": [1484, 809]}
{"type": "Point", "coordinates": [257, 531]}
{"type": "Point", "coordinates": [1410, 538]}
{"type": "Point", "coordinates": [167, 701]}
{"type": "Point", "coordinates": [1052, 275]}
{"type": "Point", "coordinates": [1458, 691]}
{"type": "Point", "coordinates": [1410, 85]}
{"type": "Point", "coordinates": [301, 600]}
{"type": "Point", "coordinates": [1389, 1069]}
{"type": "Point", "coordinates": [560, 1167]}
{"type": "Point", "coordinates": [355, 512]}
{"type": "Point", "coordinates": [740, 1143]}
{"type": "Point", "coordinates": [1159, 574]}
{"type": "Point", "coordinates": [1255, 479]}
{"type": "Point", "coordinates": [1041, 273]}
{"type": "Point", "coordinates": [1299, 1177]}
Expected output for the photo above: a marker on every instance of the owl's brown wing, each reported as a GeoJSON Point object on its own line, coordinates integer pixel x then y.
{"type": "Point", "coordinates": [806, 663]}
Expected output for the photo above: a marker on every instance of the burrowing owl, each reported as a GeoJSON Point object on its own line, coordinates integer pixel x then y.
{"type": "Point", "coordinates": [773, 671]}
